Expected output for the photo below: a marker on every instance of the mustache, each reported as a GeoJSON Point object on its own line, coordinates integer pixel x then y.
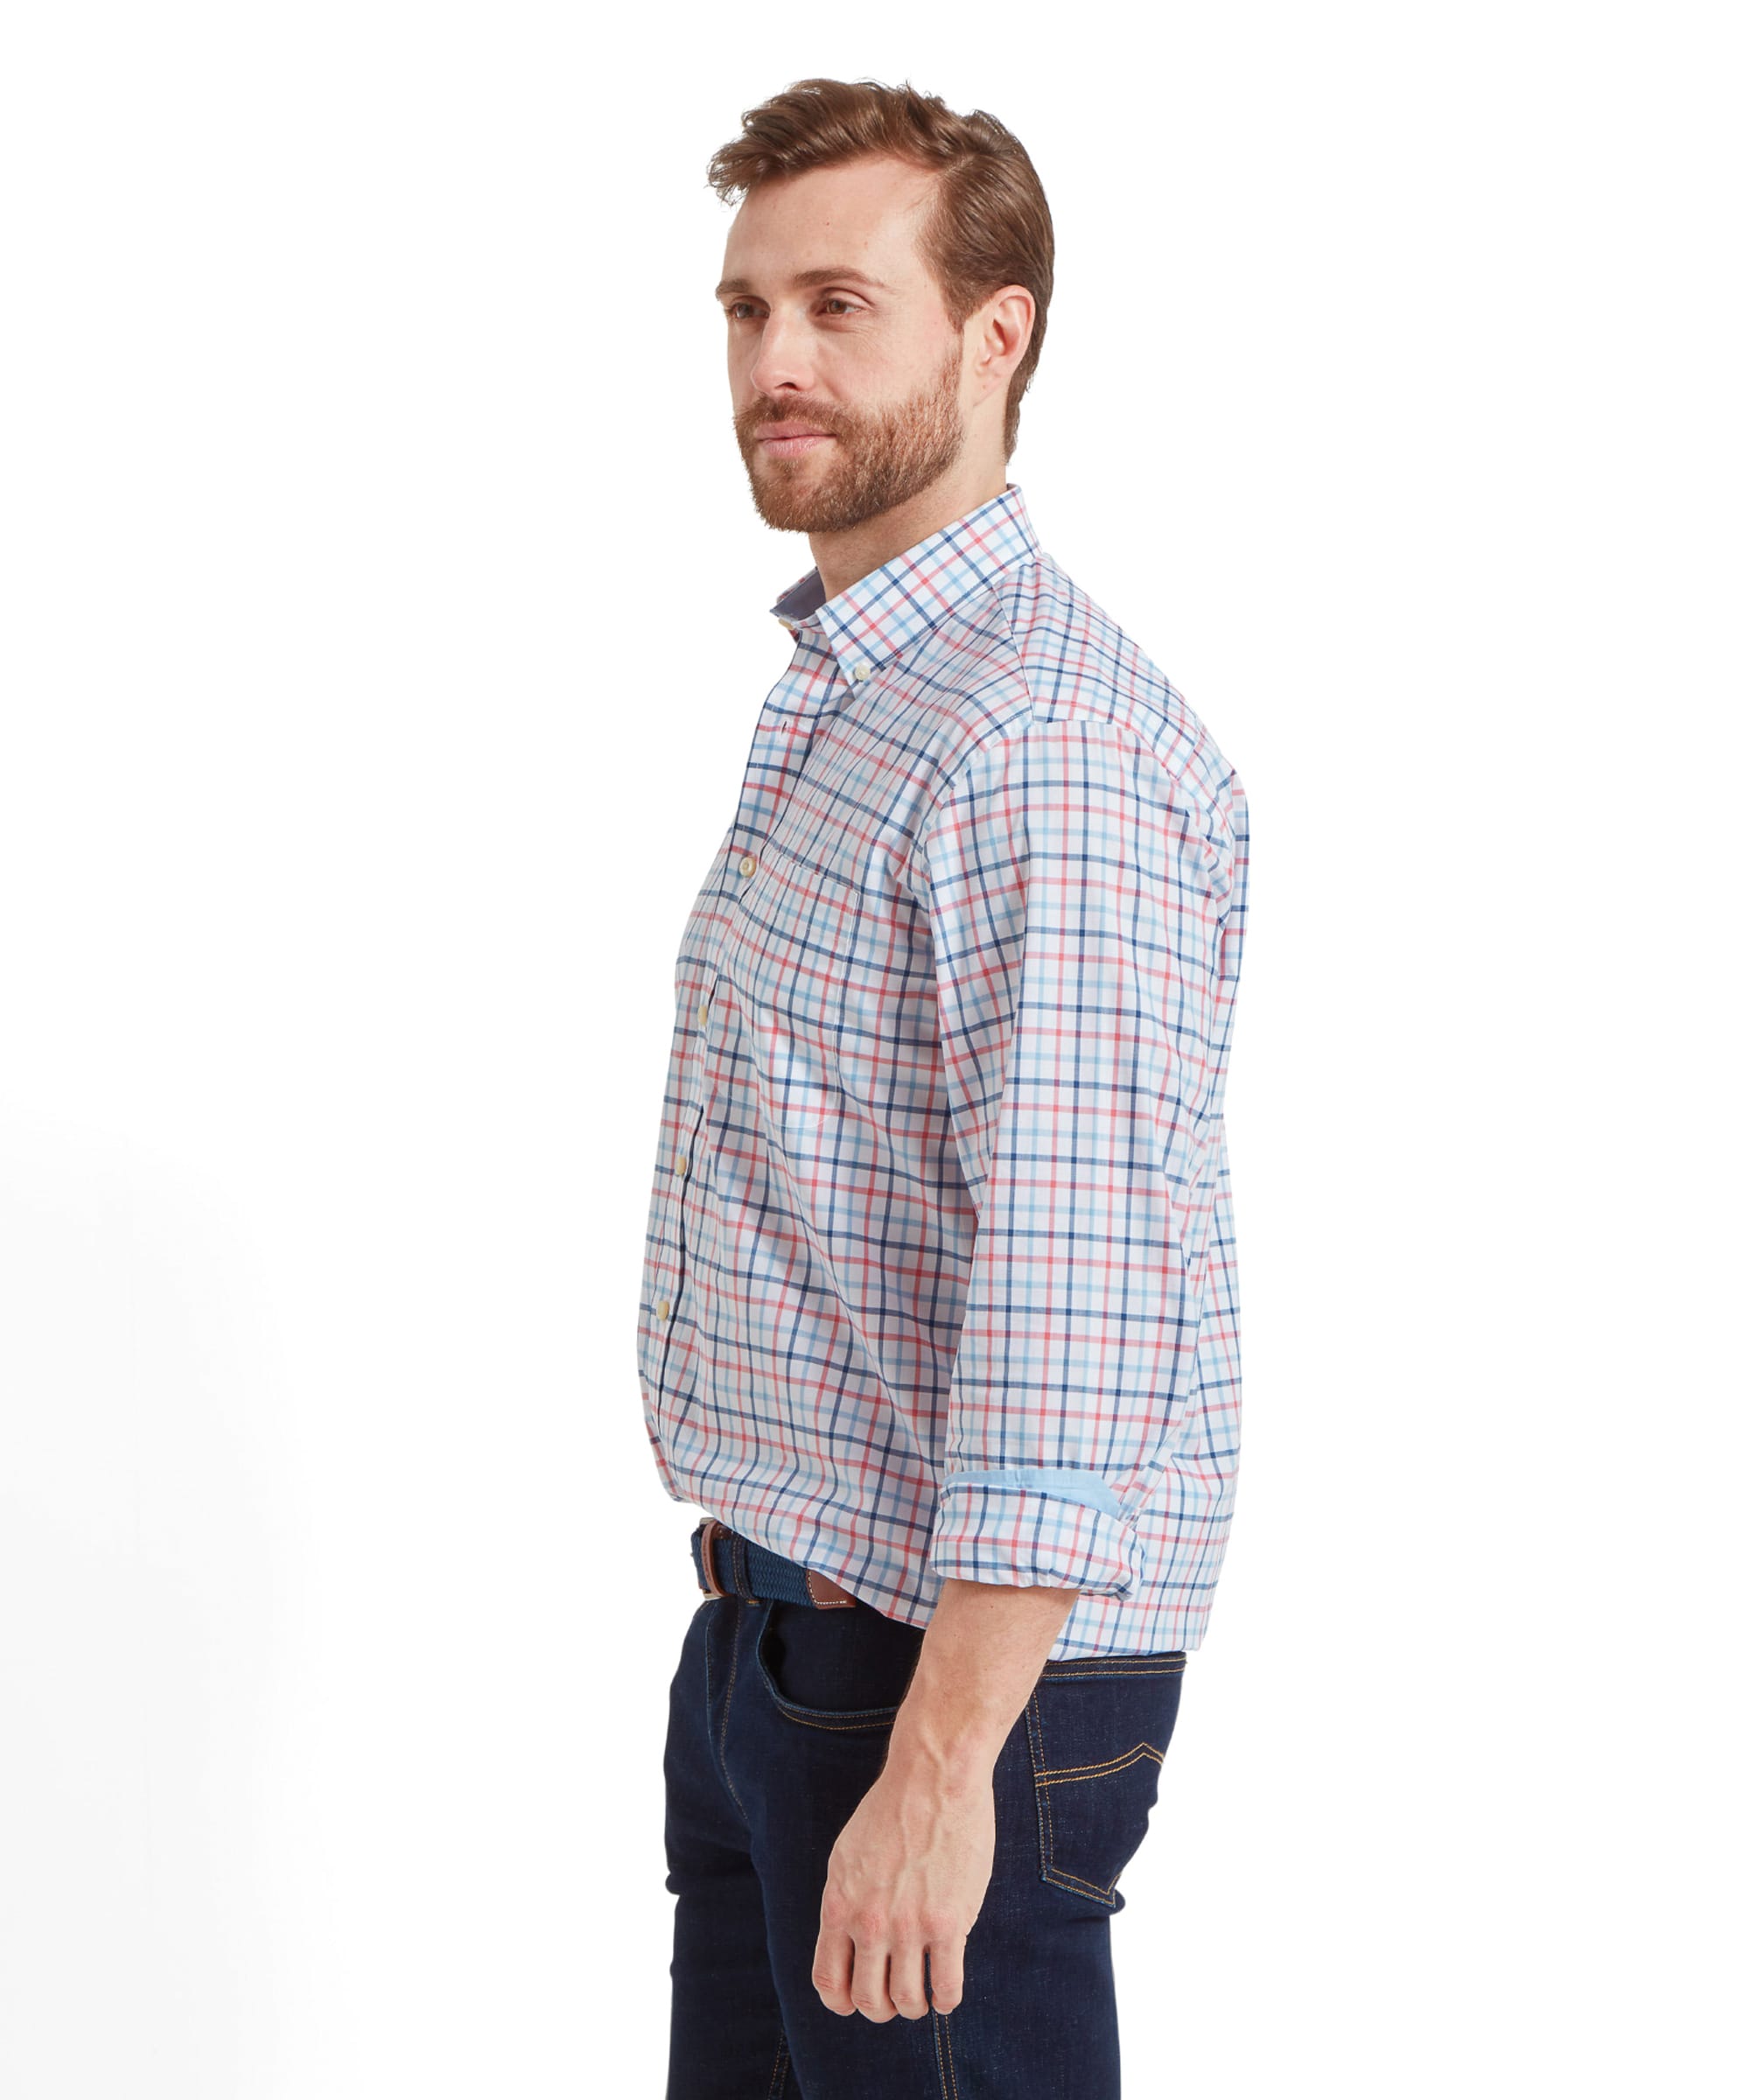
{"type": "Point", "coordinates": [754, 419]}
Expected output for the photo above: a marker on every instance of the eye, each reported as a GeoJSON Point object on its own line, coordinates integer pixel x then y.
{"type": "Point", "coordinates": [733, 308]}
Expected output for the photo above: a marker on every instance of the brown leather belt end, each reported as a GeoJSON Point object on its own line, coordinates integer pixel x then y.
{"type": "Point", "coordinates": [826, 1592]}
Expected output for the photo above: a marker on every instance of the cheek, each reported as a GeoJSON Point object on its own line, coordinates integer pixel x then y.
{"type": "Point", "coordinates": [890, 369]}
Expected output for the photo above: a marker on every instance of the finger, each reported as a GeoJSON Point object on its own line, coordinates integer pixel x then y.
{"type": "Point", "coordinates": [832, 1969]}
{"type": "Point", "coordinates": [907, 1979]}
{"type": "Point", "coordinates": [944, 1958]}
{"type": "Point", "coordinates": [870, 1981]}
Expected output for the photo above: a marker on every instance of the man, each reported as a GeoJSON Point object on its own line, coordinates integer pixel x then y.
{"type": "Point", "coordinates": [938, 1313]}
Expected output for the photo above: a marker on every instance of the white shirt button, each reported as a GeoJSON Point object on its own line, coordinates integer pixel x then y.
{"type": "Point", "coordinates": [684, 1165]}
{"type": "Point", "coordinates": [861, 670]}
{"type": "Point", "coordinates": [748, 864]}
{"type": "Point", "coordinates": [664, 1308]}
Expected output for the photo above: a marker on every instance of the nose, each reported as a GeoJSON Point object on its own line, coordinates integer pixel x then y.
{"type": "Point", "coordinates": [783, 356]}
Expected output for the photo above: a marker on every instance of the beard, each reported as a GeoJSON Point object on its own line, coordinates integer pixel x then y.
{"type": "Point", "coordinates": [882, 457]}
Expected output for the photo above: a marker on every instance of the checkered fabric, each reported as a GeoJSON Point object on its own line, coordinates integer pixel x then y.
{"type": "Point", "coordinates": [939, 1274]}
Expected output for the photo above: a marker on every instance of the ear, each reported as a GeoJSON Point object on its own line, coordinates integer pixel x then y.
{"type": "Point", "coordinates": [999, 333]}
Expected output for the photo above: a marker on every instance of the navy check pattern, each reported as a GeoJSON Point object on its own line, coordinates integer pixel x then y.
{"type": "Point", "coordinates": [940, 1275]}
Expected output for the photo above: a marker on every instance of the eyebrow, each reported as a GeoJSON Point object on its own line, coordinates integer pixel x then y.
{"type": "Point", "coordinates": [805, 280]}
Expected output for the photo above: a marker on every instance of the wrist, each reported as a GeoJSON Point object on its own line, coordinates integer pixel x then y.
{"type": "Point", "coordinates": [948, 1754]}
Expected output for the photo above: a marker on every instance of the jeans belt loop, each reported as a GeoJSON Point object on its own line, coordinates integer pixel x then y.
{"type": "Point", "coordinates": [741, 1567]}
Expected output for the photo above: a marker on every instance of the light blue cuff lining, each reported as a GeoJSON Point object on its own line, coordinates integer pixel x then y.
{"type": "Point", "coordinates": [1071, 1483]}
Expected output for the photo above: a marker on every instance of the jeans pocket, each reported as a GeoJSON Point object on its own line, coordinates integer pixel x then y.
{"type": "Point", "coordinates": [846, 1670]}
{"type": "Point", "coordinates": [1099, 1728]}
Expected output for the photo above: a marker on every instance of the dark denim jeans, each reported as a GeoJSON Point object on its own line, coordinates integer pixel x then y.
{"type": "Point", "coordinates": [781, 1718]}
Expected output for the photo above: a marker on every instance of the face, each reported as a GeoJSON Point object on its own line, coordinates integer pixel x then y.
{"type": "Point", "coordinates": [846, 376]}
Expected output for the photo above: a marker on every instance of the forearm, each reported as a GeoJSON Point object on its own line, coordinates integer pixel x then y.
{"type": "Point", "coordinates": [982, 1652]}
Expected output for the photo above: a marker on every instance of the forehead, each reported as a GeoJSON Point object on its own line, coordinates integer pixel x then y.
{"type": "Point", "coordinates": [865, 215]}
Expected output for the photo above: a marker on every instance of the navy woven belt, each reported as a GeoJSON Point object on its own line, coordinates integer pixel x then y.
{"type": "Point", "coordinates": [728, 1563]}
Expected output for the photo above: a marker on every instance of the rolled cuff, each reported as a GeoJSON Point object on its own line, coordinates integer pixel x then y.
{"type": "Point", "coordinates": [1029, 1526]}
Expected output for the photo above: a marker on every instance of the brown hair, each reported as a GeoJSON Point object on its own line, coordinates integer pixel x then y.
{"type": "Point", "coordinates": [989, 225]}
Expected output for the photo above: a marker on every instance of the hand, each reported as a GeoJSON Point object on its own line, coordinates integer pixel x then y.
{"type": "Point", "coordinates": [907, 1877]}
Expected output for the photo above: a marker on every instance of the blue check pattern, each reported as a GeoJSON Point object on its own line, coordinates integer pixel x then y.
{"type": "Point", "coordinates": [940, 1275]}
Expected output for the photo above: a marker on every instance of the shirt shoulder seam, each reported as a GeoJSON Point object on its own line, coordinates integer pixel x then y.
{"type": "Point", "coordinates": [1036, 714]}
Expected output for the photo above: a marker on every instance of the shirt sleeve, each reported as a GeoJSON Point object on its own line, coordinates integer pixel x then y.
{"type": "Point", "coordinates": [1077, 891]}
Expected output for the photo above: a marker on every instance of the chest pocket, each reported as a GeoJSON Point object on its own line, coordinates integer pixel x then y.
{"type": "Point", "coordinates": [791, 954]}
{"type": "Point", "coordinates": [838, 988]}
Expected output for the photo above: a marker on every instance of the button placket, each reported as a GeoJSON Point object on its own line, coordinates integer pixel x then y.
{"type": "Point", "coordinates": [779, 753]}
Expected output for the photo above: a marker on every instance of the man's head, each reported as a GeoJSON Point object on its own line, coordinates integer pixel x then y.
{"type": "Point", "coordinates": [886, 285]}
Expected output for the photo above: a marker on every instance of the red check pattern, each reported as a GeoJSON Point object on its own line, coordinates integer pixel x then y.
{"type": "Point", "coordinates": [939, 1274]}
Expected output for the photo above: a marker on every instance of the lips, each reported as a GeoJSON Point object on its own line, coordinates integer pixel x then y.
{"type": "Point", "coordinates": [784, 444]}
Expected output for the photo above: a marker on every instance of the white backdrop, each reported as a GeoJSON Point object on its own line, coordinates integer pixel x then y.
{"type": "Point", "coordinates": [384, 626]}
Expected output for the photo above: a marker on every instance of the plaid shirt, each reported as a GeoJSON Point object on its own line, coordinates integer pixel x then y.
{"type": "Point", "coordinates": [939, 1272]}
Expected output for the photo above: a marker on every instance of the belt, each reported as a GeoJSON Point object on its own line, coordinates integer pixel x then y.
{"type": "Point", "coordinates": [729, 1565]}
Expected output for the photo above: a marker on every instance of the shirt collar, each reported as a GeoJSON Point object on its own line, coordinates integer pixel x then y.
{"type": "Point", "coordinates": [873, 620]}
